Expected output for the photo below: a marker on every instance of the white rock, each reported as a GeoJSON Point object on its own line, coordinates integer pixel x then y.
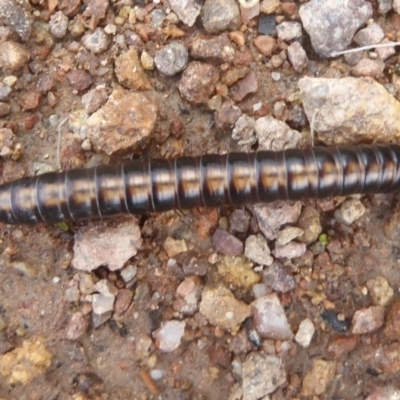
{"type": "Point", "coordinates": [102, 304]}
{"type": "Point", "coordinates": [270, 319]}
{"type": "Point", "coordinates": [106, 288]}
{"type": "Point", "coordinates": [305, 333]}
{"type": "Point", "coordinates": [261, 375]}
{"type": "Point", "coordinates": [129, 273]}
{"type": "Point", "coordinates": [257, 250]}
{"type": "Point", "coordinates": [109, 245]}
{"type": "Point", "coordinates": [170, 335]}
{"type": "Point", "coordinates": [350, 211]}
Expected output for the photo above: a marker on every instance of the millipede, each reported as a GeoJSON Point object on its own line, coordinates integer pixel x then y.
{"type": "Point", "coordinates": [212, 180]}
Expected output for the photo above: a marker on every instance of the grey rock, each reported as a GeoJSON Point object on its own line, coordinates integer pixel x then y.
{"type": "Point", "coordinates": [243, 131]}
{"type": "Point", "coordinates": [262, 374]}
{"type": "Point", "coordinates": [239, 221]}
{"type": "Point", "coordinates": [385, 52]}
{"type": "Point", "coordinates": [225, 243]}
{"type": "Point", "coordinates": [350, 110]}
{"type": "Point", "coordinates": [257, 250]}
{"type": "Point", "coordinates": [219, 15]}
{"type": "Point", "coordinates": [290, 250]}
{"type": "Point", "coordinates": [331, 24]}
{"type": "Point", "coordinates": [289, 30]}
{"type": "Point", "coordinates": [273, 134]}
{"type": "Point", "coordinates": [372, 34]}
{"type": "Point", "coordinates": [278, 278]}
{"type": "Point", "coordinates": [16, 17]}
{"type": "Point", "coordinates": [187, 10]}
{"type": "Point", "coordinates": [58, 24]}
{"type": "Point", "coordinates": [384, 6]}
{"type": "Point", "coordinates": [271, 217]}
{"type": "Point", "coordinates": [102, 304]}
{"type": "Point", "coordinates": [368, 67]}
{"type": "Point", "coordinates": [172, 59]}
{"type": "Point", "coordinates": [97, 42]}
{"type": "Point", "coordinates": [297, 56]}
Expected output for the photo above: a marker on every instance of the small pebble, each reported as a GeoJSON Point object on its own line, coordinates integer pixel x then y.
{"type": "Point", "coordinates": [76, 327]}
{"type": "Point", "coordinates": [380, 291]}
{"type": "Point", "coordinates": [317, 380]}
{"type": "Point", "coordinates": [129, 273]}
{"type": "Point", "coordinates": [368, 320]}
{"type": "Point", "coordinates": [170, 335]}
{"type": "Point", "coordinates": [58, 24]}
{"type": "Point", "coordinates": [172, 59]}
{"type": "Point", "coordinates": [97, 42]}
{"type": "Point", "coordinates": [187, 11]}
{"type": "Point", "coordinates": [265, 44]}
{"type": "Point", "coordinates": [257, 250]}
{"type": "Point", "coordinates": [225, 243]}
{"type": "Point", "coordinates": [102, 304]}
{"type": "Point", "coordinates": [174, 246]}
{"type": "Point", "coordinates": [13, 55]}
{"type": "Point", "coordinates": [350, 211]}
{"type": "Point", "coordinates": [297, 56]}
{"type": "Point", "coordinates": [262, 374]}
{"type": "Point", "coordinates": [279, 278]}
{"type": "Point", "coordinates": [219, 15]}
{"type": "Point", "coordinates": [305, 333]}
{"type": "Point", "coordinates": [270, 319]}
{"type": "Point", "coordinates": [289, 30]}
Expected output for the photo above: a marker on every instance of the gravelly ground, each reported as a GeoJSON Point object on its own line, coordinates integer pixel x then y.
{"type": "Point", "coordinates": [194, 268]}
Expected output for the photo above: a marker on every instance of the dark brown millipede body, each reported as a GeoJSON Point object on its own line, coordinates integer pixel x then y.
{"type": "Point", "coordinates": [139, 187]}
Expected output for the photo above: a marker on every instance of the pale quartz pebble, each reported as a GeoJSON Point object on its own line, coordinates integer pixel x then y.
{"type": "Point", "coordinates": [286, 235]}
{"type": "Point", "coordinates": [305, 333]}
{"type": "Point", "coordinates": [106, 288]}
{"type": "Point", "coordinates": [170, 335]}
{"type": "Point", "coordinates": [102, 304]}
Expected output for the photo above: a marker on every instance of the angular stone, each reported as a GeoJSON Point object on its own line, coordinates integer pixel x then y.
{"type": "Point", "coordinates": [270, 319]}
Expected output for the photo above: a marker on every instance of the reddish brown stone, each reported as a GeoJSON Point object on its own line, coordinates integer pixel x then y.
{"type": "Point", "coordinates": [219, 355]}
{"type": "Point", "coordinates": [232, 75]}
{"type": "Point", "coordinates": [341, 346]}
{"type": "Point", "coordinates": [243, 58]}
{"type": "Point", "coordinates": [123, 300]}
{"type": "Point", "coordinates": [289, 8]}
{"type": "Point", "coordinates": [80, 80]}
{"type": "Point", "coordinates": [30, 100]}
{"type": "Point", "coordinates": [30, 121]}
{"type": "Point", "coordinates": [392, 325]}
{"type": "Point", "coordinates": [245, 86]}
{"type": "Point", "coordinates": [176, 128]}
{"type": "Point", "coordinates": [198, 81]}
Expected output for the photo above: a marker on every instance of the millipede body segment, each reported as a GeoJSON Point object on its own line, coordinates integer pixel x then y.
{"type": "Point", "coordinates": [139, 187]}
